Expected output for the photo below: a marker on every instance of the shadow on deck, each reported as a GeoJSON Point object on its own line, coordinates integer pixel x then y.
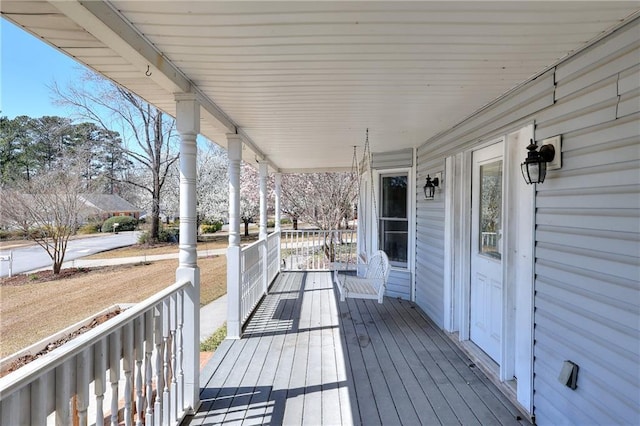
{"type": "Point", "coordinates": [306, 358]}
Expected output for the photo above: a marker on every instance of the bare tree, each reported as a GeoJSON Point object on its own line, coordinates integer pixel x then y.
{"type": "Point", "coordinates": [48, 208]}
{"type": "Point", "coordinates": [149, 135]}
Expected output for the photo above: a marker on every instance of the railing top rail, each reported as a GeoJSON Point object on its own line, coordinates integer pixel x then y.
{"type": "Point", "coordinates": [252, 245]}
{"type": "Point", "coordinates": [30, 372]}
{"type": "Point", "coordinates": [259, 242]}
{"type": "Point", "coordinates": [307, 231]}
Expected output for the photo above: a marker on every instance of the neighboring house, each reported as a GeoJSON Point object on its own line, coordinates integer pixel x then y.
{"type": "Point", "coordinates": [108, 205]}
{"type": "Point", "coordinates": [530, 280]}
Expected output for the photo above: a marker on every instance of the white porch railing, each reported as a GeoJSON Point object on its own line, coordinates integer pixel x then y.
{"type": "Point", "coordinates": [273, 254]}
{"type": "Point", "coordinates": [316, 250]}
{"type": "Point", "coordinates": [251, 284]}
{"type": "Point", "coordinates": [130, 369]}
{"type": "Point", "coordinates": [259, 265]}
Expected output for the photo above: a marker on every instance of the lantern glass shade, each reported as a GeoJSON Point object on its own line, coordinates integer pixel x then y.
{"type": "Point", "coordinates": [430, 187]}
{"type": "Point", "coordinates": [534, 172]}
{"type": "Point", "coordinates": [534, 167]}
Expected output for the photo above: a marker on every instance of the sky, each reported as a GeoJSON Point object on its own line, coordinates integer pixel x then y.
{"type": "Point", "coordinates": [28, 66]}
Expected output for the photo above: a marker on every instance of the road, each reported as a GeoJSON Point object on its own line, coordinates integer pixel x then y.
{"type": "Point", "coordinates": [34, 257]}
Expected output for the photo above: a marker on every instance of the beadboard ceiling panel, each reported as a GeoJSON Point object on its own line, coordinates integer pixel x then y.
{"type": "Point", "coordinates": [302, 81]}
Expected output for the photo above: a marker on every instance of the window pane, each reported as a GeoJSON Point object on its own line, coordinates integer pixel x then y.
{"type": "Point", "coordinates": [491, 209]}
{"type": "Point", "coordinates": [394, 196]}
{"type": "Point", "coordinates": [393, 240]}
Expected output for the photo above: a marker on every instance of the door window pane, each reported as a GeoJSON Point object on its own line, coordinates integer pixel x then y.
{"type": "Point", "coordinates": [491, 209]}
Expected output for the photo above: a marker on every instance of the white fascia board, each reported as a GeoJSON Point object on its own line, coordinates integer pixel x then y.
{"type": "Point", "coordinates": [104, 23]}
{"type": "Point", "coordinates": [259, 155]}
{"type": "Point", "coordinates": [107, 25]}
{"type": "Point", "coordinates": [317, 170]}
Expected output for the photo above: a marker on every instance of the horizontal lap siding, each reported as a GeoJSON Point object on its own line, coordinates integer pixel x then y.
{"type": "Point", "coordinates": [587, 297]}
{"type": "Point", "coordinates": [399, 284]}
{"type": "Point", "coordinates": [429, 242]}
{"type": "Point", "coordinates": [587, 285]}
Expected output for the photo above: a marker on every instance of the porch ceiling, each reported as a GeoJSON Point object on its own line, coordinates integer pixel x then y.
{"type": "Point", "coordinates": [303, 80]}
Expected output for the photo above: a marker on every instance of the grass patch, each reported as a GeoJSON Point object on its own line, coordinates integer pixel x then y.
{"type": "Point", "coordinates": [212, 343]}
{"type": "Point", "coordinates": [36, 308]}
{"type": "Point", "coordinates": [220, 242]}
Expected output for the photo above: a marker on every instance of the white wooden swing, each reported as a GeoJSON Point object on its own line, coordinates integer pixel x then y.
{"type": "Point", "coordinates": [369, 286]}
{"type": "Point", "coordinates": [371, 279]}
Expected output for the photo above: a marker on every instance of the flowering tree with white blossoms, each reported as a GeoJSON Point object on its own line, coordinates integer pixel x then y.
{"type": "Point", "coordinates": [324, 200]}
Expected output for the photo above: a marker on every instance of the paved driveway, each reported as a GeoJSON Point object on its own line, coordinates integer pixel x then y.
{"type": "Point", "coordinates": [34, 257]}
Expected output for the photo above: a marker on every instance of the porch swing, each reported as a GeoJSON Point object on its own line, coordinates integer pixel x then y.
{"type": "Point", "coordinates": [372, 272]}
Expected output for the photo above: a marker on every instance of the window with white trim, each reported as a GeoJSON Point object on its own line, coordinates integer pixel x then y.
{"type": "Point", "coordinates": [393, 217]}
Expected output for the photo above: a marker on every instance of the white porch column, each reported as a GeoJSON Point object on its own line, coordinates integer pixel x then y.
{"type": "Point", "coordinates": [278, 208]}
{"type": "Point", "coordinates": [264, 174]}
{"type": "Point", "coordinates": [234, 275]}
{"type": "Point", "coordinates": [188, 125]}
{"type": "Point", "coordinates": [278, 189]}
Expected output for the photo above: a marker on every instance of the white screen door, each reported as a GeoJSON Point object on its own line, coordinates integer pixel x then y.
{"type": "Point", "coordinates": [486, 250]}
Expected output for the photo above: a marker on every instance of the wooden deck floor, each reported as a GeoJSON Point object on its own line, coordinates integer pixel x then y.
{"type": "Point", "coordinates": [307, 358]}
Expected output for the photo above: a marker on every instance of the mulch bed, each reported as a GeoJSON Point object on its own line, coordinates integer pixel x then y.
{"type": "Point", "coordinates": [24, 360]}
{"type": "Point", "coordinates": [43, 276]}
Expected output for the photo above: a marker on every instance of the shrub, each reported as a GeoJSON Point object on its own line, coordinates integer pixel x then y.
{"type": "Point", "coordinates": [143, 238]}
{"type": "Point", "coordinates": [90, 228]}
{"type": "Point", "coordinates": [285, 221]}
{"type": "Point", "coordinates": [171, 235]}
{"type": "Point", "coordinates": [210, 227]}
{"type": "Point", "coordinates": [271, 224]}
{"type": "Point", "coordinates": [125, 223]}
{"type": "Point", "coordinates": [212, 343]}
{"type": "Point", "coordinates": [17, 234]}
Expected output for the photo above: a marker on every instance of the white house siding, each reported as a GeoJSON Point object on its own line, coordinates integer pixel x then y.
{"type": "Point", "coordinates": [429, 241]}
{"type": "Point", "coordinates": [587, 297]}
{"type": "Point", "coordinates": [587, 285]}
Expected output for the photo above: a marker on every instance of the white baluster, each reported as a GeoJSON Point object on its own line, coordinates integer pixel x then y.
{"type": "Point", "coordinates": [115, 355]}
{"type": "Point", "coordinates": [39, 391]}
{"type": "Point", "coordinates": [174, 349]}
{"type": "Point", "coordinates": [11, 412]}
{"type": "Point", "coordinates": [127, 366]}
{"type": "Point", "coordinates": [180, 356]}
{"type": "Point", "coordinates": [83, 378]}
{"type": "Point", "coordinates": [148, 368]}
{"type": "Point", "coordinates": [166, 407]}
{"type": "Point", "coordinates": [99, 373]}
{"type": "Point", "coordinates": [139, 353]}
{"type": "Point", "coordinates": [159, 355]}
{"type": "Point", "coordinates": [65, 387]}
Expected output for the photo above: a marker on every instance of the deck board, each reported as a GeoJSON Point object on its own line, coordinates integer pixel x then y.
{"type": "Point", "coordinates": [306, 358]}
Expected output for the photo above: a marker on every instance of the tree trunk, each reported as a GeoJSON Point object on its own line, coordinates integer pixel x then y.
{"type": "Point", "coordinates": [295, 223]}
{"type": "Point", "coordinates": [246, 228]}
{"type": "Point", "coordinates": [155, 221]}
{"type": "Point", "coordinates": [155, 209]}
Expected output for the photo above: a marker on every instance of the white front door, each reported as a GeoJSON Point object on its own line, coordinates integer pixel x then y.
{"type": "Point", "coordinates": [486, 308]}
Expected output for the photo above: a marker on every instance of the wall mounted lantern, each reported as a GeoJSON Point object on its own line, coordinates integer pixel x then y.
{"type": "Point", "coordinates": [534, 168]}
{"type": "Point", "coordinates": [430, 187]}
